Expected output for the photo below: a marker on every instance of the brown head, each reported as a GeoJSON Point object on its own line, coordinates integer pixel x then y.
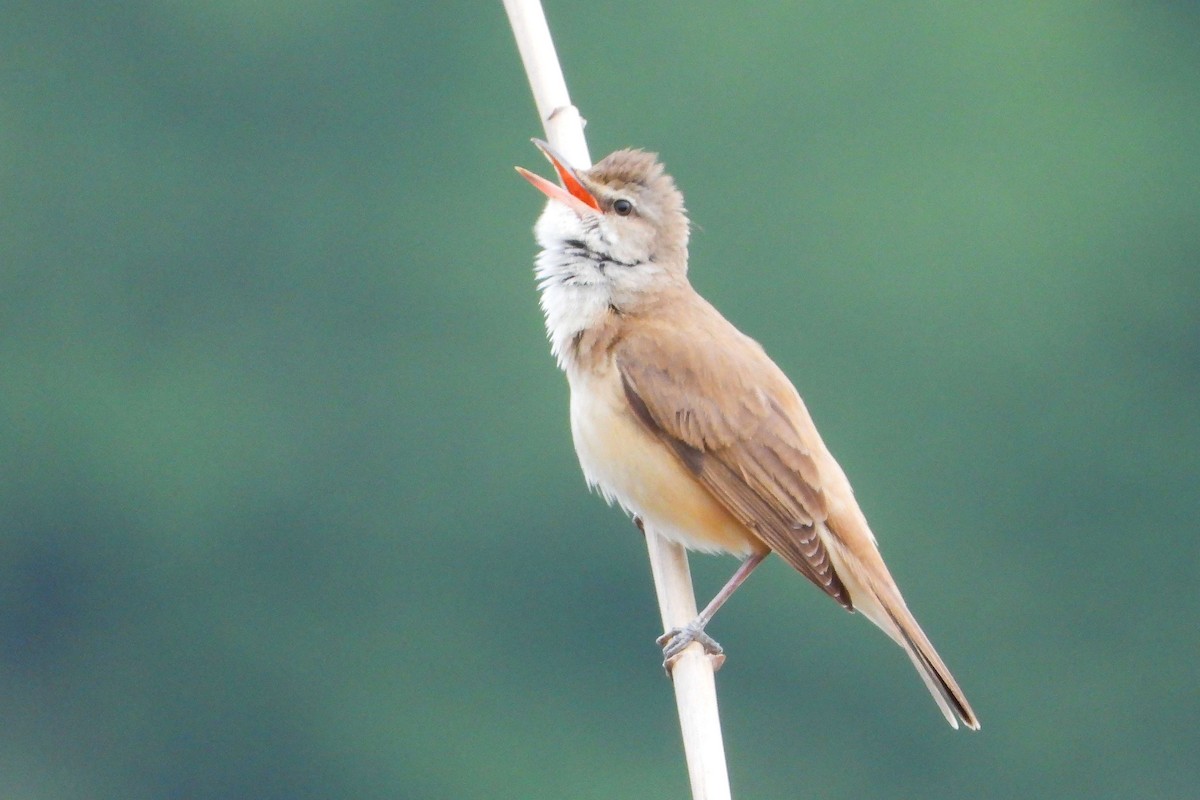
{"type": "Point", "coordinates": [626, 202]}
{"type": "Point", "coordinates": [614, 242]}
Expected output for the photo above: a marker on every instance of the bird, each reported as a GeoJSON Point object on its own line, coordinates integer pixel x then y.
{"type": "Point", "coordinates": [684, 421]}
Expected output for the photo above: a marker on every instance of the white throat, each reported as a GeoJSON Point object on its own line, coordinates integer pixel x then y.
{"type": "Point", "coordinates": [575, 297]}
{"type": "Point", "coordinates": [577, 277]}
{"type": "Point", "coordinates": [586, 271]}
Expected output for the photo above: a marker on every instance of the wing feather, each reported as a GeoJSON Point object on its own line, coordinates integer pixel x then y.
{"type": "Point", "coordinates": [741, 445]}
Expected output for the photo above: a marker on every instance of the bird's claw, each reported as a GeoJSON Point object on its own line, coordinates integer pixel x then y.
{"type": "Point", "coordinates": [676, 640]}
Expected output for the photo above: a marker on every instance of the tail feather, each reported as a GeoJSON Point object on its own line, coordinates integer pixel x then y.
{"type": "Point", "coordinates": [857, 562]}
{"type": "Point", "coordinates": [934, 673]}
{"type": "Point", "coordinates": [874, 593]}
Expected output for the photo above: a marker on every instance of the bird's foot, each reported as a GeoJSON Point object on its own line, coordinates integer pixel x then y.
{"type": "Point", "coordinates": [676, 640]}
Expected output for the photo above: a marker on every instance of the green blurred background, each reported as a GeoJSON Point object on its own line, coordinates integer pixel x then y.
{"type": "Point", "coordinates": [290, 508]}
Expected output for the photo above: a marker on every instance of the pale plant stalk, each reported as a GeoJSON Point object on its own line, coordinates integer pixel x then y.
{"type": "Point", "coordinates": [695, 685]}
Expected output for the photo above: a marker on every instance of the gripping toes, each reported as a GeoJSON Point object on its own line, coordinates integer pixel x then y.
{"type": "Point", "coordinates": [676, 640]}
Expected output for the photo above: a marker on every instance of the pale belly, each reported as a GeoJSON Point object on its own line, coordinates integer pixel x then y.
{"type": "Point", "coordinates": [630, 466]}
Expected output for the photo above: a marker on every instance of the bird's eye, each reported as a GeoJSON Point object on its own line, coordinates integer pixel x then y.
{"type": "Point", "coordinates": [623, 207]}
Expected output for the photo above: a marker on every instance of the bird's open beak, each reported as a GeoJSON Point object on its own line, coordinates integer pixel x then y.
{"type": "Point", "coordinates": [572, 193]}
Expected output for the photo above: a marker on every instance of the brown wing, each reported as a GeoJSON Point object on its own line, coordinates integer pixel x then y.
{"type": "Point", "coordinates": [735, 421]}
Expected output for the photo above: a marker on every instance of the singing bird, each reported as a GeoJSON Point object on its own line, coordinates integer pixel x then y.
{"type": "Point", "coordinates": [684, 420]}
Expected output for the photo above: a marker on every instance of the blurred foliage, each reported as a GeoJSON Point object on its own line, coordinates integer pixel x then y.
{"type": "Point", "coordinates": [290, 505]}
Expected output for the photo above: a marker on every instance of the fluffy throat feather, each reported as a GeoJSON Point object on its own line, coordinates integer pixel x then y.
{"type": "Point", "coordinates": [577, 296]}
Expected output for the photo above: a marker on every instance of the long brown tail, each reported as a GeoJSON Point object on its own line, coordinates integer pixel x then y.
{"type": "Point", "coordinates": [875, 594]}
{"type": "Point", "coordinates": [933, 671]}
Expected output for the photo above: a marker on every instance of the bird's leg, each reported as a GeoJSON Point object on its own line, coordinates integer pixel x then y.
{"type": "Point", "coordinates": [675, 640]}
